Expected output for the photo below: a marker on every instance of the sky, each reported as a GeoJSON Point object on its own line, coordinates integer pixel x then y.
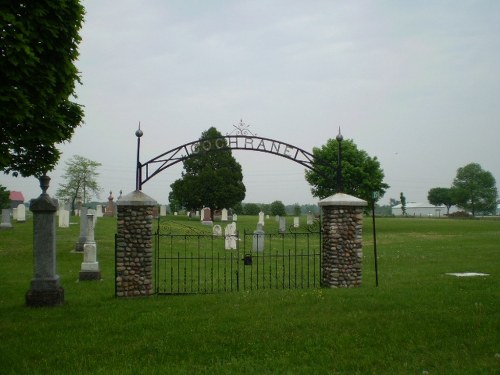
{"type": "Point", "coordinates": [414, 83]}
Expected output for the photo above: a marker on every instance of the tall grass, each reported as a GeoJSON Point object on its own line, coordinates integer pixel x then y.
{"type": "Point", "coordinates": [419, 320]}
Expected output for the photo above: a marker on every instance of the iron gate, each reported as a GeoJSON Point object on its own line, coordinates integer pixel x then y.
{"type": "Point", "coordinates": [200, 263]}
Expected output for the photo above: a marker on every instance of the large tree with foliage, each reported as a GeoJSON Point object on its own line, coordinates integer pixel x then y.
{"type": "Point", "coordinates": [361, 173]}
{"type": "Point", "coordinates": [80, 181]}
{"type": "Point", "coordinates": [212, 177]}
{"type": "Point", "coordinates": [38, 48]}
{"type": "Point", "coordinates": [441, 196]}
{"type": "Point", "coordinates": [474, 189]}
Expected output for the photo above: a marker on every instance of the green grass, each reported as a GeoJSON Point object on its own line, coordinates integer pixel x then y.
{"type": "Point", "coordinates": [418, 320]}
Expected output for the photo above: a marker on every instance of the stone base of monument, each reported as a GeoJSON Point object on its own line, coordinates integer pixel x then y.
{"type": "Point", "coordinates": [89, 275]}
{"type": "Point", "coordinates": [41, 298]}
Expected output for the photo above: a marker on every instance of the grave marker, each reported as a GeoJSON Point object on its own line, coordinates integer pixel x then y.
{"type": "Point", "coordinates": [6, 224]}
{"type": "Point", "coordinates": [230, 237]}
{"type": "Point", "coordinates": [90, 265]}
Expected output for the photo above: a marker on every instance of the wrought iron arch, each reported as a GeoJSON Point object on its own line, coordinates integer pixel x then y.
{"type": "Point", "coordinates": [146, 171]}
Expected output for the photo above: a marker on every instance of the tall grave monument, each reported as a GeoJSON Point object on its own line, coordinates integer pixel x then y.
{"type": "Point", "coordinates": [45, 287]}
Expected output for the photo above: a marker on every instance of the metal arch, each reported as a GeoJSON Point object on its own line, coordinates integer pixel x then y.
{"type": "Point", "coordinates": [149, 169]}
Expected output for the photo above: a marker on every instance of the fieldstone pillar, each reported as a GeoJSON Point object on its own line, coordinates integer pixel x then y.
{"type": "Point", "coordinates": [342, 251]}
{"type": "Point", "coordinates": [45, 286]}
{"type": "Point", "coordinates": [134, 253]}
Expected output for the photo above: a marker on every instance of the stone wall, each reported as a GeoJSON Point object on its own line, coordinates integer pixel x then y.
{"type": "Point", "coordinates": [342, 251]}
{"type": "Point", "coordinates": [134, 251]}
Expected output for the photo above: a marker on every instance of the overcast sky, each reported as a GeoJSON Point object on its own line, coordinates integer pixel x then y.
{"type": "Point", "coordinates": [414, 83]}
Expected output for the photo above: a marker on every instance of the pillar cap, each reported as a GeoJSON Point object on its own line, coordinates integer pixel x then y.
{"type": "Point", "coordinates": [341, 199]}
{"type": "Point", "coordinates": [136, 198]}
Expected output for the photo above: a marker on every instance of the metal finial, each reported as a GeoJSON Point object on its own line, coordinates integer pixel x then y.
{"type": "Point", "coordinates": [339, 136]}
{"type": "Point", "coordinates": [138, 132]}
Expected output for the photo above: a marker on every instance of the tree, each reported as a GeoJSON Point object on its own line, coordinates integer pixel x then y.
{"type": "Point", "coordinates": [277, 208]}
{"type": "Point", "coordinates": [361, 174]}
{"type": "Point", "coordinates": [441, 196]}
{"type": "Point", "coordinates": [403, 203]}
{"type": "Point", "coordinates": [251, 209]}
{"type": "Point", "coordinates": [4, 197]}
{"type": "Point", "coordinates": [211, 177]}
{"type": "Point", "coordinates": [80, 176]}
{"type": "Point", "coordinates": [38, 48]}
{"type": "Point", "coordinates": [474, 189]}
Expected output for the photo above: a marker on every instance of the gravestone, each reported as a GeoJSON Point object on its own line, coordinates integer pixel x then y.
{"type": "Point", "coordinates": [63, 218]}
{"type": "Point", "coordinates": [14, 214]}
{"type": "Point", "coordinates": [296, 222]}
{"type": "Point", "coordinates": [110, 208]}
{"type": "Point", "coordinates": [261, 218]}
{"type": "Point", "coordinates": [176, 213]}
{"type": "Point", "coordinates": [224, 214]}
{"type": "Point", "coordinates": [282, 224]}
{"type": "Point", "coordinates": [258, 239]}
{"type": "Point", "coordinates": [197, 213]}
{"type": "Point", "coordinates": [235, 217]}
{"type": "Point", "coordinates": [230, 237]}
{"type": "Point", "coordinates": [98, 210]}
{"type": "Point", "coordinates": [310, 219]}
{"type": "Point", "coordinates": [83, 230]}
{"type": "Point", "coordinates": [206, 216]}
{"type": "Point", "coordinates": [217, 230]}
{"type": "Point", "coordinates": [163, 210]}
{"type": "Point", "coordinates": [6, 224]}
{"type": "Point", "coordinates": [277, 218]}
{"type": "Point", "coordinates": [90, 265]}
{"type": "Point", "coordinates": [45, 288]}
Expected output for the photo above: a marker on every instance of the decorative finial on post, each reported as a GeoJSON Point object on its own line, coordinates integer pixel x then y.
{"type": "Point", "coordinates": [138, 134]}
{"type": "Point", "coordinates": [44, 183]}
{"type": "Point", "coordinates": [339, 162]}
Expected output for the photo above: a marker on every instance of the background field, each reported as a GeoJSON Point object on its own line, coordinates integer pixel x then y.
{"type": "Point", "coordinates": [419, 320]}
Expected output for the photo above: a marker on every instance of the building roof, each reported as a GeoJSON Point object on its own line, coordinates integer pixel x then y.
{"type": "Point", "coordinates": [16, 196]}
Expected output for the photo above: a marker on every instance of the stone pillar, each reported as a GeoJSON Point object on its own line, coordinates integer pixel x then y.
{"type": "Point", "coordinates": [134, 252]}
{"type": "Point", "coordinates": [90, 265]}
{"type": "Point", "coordinates": [342, 251]}
{"type": "Point", "coordinates": [83, 229]}
{"type": "Point", "coordinates": [45, 286]}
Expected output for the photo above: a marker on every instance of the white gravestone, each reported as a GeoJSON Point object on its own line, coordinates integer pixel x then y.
{"type": "Point", "coordinates": [296, 222]}
{"type": "Point", "coordinates": [235, 217]}
{"type": "Point", "coordinates": [163, 210]}
{"type": "Point", "coordinates": [310, 218]}
{"type": "Point", "coordinates": [63, 218]}
{"type": "Point", "coordinates": [21, 213]}
{"type": "Point", "coordinates": [258, 239]}
{"type": "Point", "coordinates": [261, 218]}
{"type": "Point", "coordinates": [6, 224]}
{"type": "Point", "coordinates": [282, 224]}
{"type": "Point", "coordinates": [98, 210]}
{"type": "Point", "coordinates": [14, 214]}
{"type": "Point", "coordinates": [230, 237]}
{"type": "Point", "coordinates": [217, 230]}
{"type": "Point", "coordinates": [224, 214]}
{"type": "Point", "coordinates": [90, 265]}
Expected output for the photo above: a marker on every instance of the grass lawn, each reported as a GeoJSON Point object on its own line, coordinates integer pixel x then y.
{"type": "Point", "coordinates": [418, 321]}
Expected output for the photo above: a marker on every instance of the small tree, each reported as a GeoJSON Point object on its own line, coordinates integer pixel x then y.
{"type": "Point", "coordinates": [403, 203]}
{"type": "Point", "coordinates": [80, 177]}
{"type": "Point", "coordinates": [4, 197]}
{"type": "Point", "coordinates": [278, 208]}
{"type": "Point", "coordinates": [362, 174]}
{"type": "Point", "coordinates": [474, 189]}
{"type": "Point", "coordinates": [441, 196]}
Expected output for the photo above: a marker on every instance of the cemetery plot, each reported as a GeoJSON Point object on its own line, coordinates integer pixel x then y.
{"type": "Point", "coordinates": [201, 263]}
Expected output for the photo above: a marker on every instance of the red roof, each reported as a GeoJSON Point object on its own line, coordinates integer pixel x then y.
{"type": "Point", "coordinates": [16, 196]}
